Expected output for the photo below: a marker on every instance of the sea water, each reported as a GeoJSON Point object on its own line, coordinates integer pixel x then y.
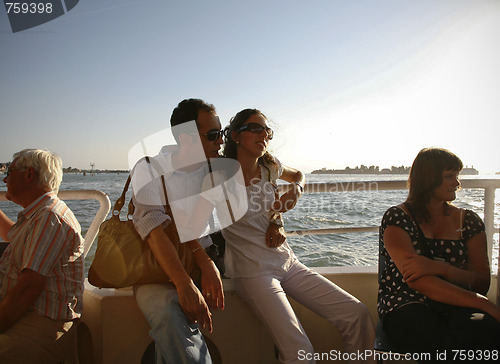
{"type": "Point", "coordinates": [314, 210]}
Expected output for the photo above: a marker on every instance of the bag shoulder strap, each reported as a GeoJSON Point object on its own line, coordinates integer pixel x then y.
{"type": "Point", "coordinates": [226, 197]}
{"type": "Point", "coordinates": [131, 208]}
{"type": "Point", "coordinates": [121, 200]}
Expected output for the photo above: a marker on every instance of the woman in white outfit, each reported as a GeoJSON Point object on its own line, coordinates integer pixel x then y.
{"type": "Point", "coordinates": [262, 265]}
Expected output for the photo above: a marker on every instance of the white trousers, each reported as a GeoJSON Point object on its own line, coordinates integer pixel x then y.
{"type": "Point", "coordinates": [266, 296]}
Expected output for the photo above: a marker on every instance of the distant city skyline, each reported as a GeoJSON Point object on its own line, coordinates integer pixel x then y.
{"type": "Point", "coordinates": [344, 83]}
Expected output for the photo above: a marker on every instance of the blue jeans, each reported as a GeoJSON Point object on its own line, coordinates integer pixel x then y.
{"type": "Point", "coordinates": [176, 339]}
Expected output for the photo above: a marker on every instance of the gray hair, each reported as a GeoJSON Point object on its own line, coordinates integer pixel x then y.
{"type": "Point", "coordinates": [48, 166]}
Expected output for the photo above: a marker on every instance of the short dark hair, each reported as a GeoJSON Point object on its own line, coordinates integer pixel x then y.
{"type": "Point", "coordinates": [187, 110]}
{"type": "Point", "coordinates": [426, 174]}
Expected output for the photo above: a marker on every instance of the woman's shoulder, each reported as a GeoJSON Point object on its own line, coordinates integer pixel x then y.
{"type": "Point", "coordinates": [397, 215]}
{"type": "Point", "coordinates": [274, 166]}
{"type": "Point", "coordinates": [397, 210]}
{"type": "Point", "coordinates": [473, 222]}
{"type": "Point", "coordinates": [470, 222]}
{"type": "Point", "coordinates": [272, 160]}
{"type": "Point", "coordinates": [467, 216]}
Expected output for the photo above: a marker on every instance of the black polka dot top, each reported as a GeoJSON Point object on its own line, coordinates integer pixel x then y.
{"type": "Point", "coordinates": [393, 292]}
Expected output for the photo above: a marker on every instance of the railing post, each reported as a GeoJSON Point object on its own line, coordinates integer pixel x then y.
{"type": "Point", "coordinates": [489, 214]}
{"type": "Point", "coordinates": [489, 211]}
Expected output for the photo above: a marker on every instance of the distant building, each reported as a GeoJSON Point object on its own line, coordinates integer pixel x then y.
{"type": "Point", "coordinates": [468, 171]}
{"type": "Point", "coordinates": [364, 170]}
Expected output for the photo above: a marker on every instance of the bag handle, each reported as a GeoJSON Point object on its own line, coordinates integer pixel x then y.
{"type": "Point", "coordinates": [121, 200]}
{"type": "Point", "coordinates": [159, 170]}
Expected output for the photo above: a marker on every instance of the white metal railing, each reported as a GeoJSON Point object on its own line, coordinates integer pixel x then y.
{"type": "Point", "coordinates": [104, 207]}
{"type": "Point", "coordinates": [488, 185]}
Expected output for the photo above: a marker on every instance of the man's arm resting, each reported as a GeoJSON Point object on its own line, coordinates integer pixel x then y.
{"type": "Point", "coordinates": [211, 283]}
{"type": "Point", "coordinates": [20, 298]}
{"type": "Point", "coordinates": [190, 298]}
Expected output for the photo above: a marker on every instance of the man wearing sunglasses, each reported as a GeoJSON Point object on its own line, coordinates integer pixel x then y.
{"type": "Point", "coordinates": [176, 310]}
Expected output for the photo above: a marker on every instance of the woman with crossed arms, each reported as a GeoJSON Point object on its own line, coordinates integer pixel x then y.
{"type": "Point", "coordinates": [435, 269]}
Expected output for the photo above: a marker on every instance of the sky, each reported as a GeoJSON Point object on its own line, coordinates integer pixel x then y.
{"type": "Point", "coordinates": [344, 83]}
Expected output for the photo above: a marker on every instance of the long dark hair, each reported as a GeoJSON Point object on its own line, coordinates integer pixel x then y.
{"type": "Point", "coordinates": [425, 175]}
{"type": "Point", "coordinates": [230, 145]}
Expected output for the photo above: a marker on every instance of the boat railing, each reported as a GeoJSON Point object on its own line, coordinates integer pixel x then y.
{"type": "Point", "coordinates": [102, 212]}
{"type": "Point", "coordinates": [489, 187]}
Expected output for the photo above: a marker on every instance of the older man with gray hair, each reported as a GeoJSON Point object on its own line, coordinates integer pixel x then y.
{"type": "Point", "coordinates": [42, 269]}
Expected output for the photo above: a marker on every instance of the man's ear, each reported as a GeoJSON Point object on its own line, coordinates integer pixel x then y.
{"type": "Point", "coordinates": [185, 139]}
{"type": "Point", "coordinates": [30, 174]}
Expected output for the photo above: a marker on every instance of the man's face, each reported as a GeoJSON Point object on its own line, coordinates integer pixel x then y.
{"type": "Point", "coordinates": [208, 124]}
{"type": "Point", "coordinates": [15, 181]}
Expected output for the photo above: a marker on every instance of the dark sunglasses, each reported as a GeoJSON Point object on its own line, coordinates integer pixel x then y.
{"type": "Point", "coordinates": [214, 134]}
{"type": "Point", "coordinates": [257, 129]}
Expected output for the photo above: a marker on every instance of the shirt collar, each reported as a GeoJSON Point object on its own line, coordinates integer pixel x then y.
{"type": "Point", "coordinates": [166, 153]}
{"type": "Point", "coordinates": [39, 203]}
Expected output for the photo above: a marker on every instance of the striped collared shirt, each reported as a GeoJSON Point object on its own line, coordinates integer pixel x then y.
{"type": "Point", "coordinates": [47, 239]}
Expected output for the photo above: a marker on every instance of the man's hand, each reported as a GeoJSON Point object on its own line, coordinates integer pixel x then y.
{"type": "Point", "coordinates": [20, 298]}
{"type": "Point", "coordinates": [194, 306]}
{"type": "Point", "coordinates": [190, 298]}
{"type": "Point", "coordinates": [211, 285]}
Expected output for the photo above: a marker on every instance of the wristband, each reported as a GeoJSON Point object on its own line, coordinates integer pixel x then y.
{"type": "Point", "coordinates": [301, 188]}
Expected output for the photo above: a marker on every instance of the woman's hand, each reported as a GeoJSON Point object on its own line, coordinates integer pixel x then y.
{"type": "Point", "coordinates": [416, 266]}
{"type": "Point", "coordinates": [488, 307]}
{"type": "Point", "coordinates": [211, 285]}
{"type": "Point", "coordinates": [275, 236]}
